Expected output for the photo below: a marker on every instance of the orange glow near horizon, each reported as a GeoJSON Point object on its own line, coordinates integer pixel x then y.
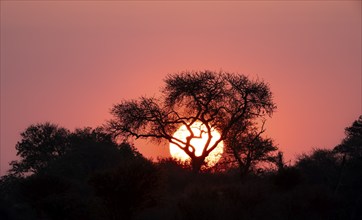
{"type": "Point", "coordinates": [199, 130]}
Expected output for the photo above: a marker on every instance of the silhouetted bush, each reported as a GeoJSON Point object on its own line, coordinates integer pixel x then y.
{"type": "Point", "coordinates": [53, 197]}
{"type": "Point", "coordinates": [129, 188]}
{"type": "Point", "coordinates": [320, 167]}
{"type": "Point", "coordinates": [287, 178]}
{"type": "Point", "coordinates": [12, 201]}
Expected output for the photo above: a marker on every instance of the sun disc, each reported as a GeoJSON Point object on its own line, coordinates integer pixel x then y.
{"type": "Point", "coordinates": [182, 133]}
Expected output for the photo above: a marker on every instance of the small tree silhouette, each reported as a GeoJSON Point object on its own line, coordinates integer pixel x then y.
{"type": "Point", "coordinates": [219, 101]}
{"type": "Point", "coordinates": [52, 175]}
{"type": "Point", "coordinates": [247, 146]}
{"type": "Point", "coordinates": [351, 145]}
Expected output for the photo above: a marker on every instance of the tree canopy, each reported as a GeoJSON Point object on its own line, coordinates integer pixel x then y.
{"type": "Point", "coordinates": [351, 145]}
{"type": "Point", "coordinates": [248, 147]}
{"type": "Point", "coordinates": [40, 144]}
{"type": "Point", "coordinates": [220, 101]}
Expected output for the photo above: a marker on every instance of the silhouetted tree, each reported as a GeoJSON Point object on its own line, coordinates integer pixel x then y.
{"type": "Point", "coordinates": [40, 144]}
{"type": "Point", "coordinates": [351, 145]}
{"type": "Point", "coordinates": [248, 148]}
{"type": "Point", "coordinates": [350, 172]}
{"type": "Point", "coordinates": [218, 100]}
{"type": "Point", "coordinates": [58, 188]}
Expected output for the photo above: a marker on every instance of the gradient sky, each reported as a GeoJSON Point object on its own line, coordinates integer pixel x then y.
{"type": "Point", "coordinates": [69, 62]}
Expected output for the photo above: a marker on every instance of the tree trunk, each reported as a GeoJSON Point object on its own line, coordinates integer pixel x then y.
{"type": "Point", "coordinates": [196, 163]}
{"type": "Point", "coordinates": [243, 167]}
{"type": "Point", "coordinates": [246, 168]}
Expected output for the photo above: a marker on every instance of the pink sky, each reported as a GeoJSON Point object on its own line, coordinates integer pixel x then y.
{"type": "Point", "coordinates": [69, 62]}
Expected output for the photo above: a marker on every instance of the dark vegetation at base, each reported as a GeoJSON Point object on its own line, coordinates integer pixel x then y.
{"type": "Point", "coordinates": [95, 178]}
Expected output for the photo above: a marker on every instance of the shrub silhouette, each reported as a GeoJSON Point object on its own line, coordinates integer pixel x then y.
{"type": "Point", "coordinates": [129, 188]}
{"type": "Point", "coordinates": [320, 167]}
{"type": "Point", "coordinates": [53, 197]}
{"type": "Point", "coordinates": [287, 178]}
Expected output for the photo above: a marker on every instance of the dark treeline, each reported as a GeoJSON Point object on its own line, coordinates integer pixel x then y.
{"type": "Point", "coordinates": [85, 174]}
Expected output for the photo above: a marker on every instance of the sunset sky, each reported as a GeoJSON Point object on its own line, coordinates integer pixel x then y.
{"type": "Point", "coordinates": [69, 62]}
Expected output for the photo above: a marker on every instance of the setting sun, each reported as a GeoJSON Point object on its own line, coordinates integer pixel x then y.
{"type": "Point", "coordinates": [198, 143]}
